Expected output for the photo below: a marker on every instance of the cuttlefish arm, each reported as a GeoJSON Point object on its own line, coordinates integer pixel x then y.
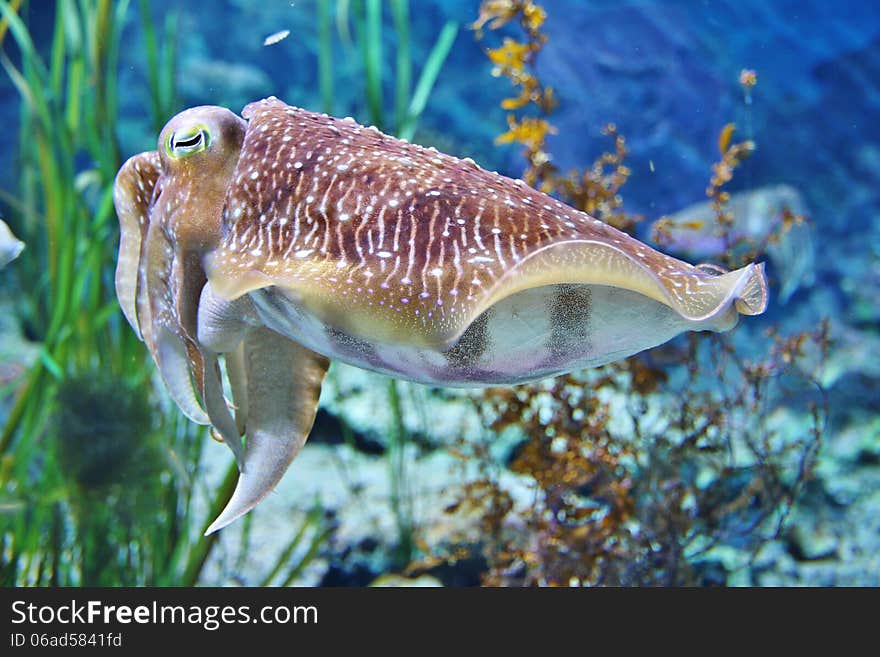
{"type": "Point", "coordinates": [279, 384]}
{"type": "Point", "coordinates": [132, 196]}
{"type": "Point", "coordinates": [145, 271]}
{"type": "Point", "coordinates": [168, 219]}
{"type": "Point", "coordinates": [275, 385]}
{"type": "Point", "coordinates": [235, 371]}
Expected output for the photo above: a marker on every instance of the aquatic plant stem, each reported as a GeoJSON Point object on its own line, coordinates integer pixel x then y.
{"type": "Point", "coordinates": [372, 44]}
{"type": "Point", "coordinates": [14, 6]}
{"type": "Point", "coordinates": [69, 158]}
{"type": "Point", "coordinates": [400, 504]}
{"type": "Point", "coordinates": [200, 552]}
{"type": "Point", "coordinates": [311, 520]}
{"type": "Point", "coordinates": [160, 67]}
{"type": "Point", "coordinates": [427, 78]}
{"type": "Point", "coordinates": [403, 80]}
{"type": "Point", "coordinates": [325, 56]}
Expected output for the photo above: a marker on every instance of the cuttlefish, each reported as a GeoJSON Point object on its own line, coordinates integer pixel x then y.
{"type": "Point", "coordinates": [278, 241]}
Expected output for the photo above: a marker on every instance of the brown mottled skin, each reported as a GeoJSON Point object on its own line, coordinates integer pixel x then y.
{"type": "Point", "coordinates": [288, 238]}
{"type": "Point", "coordinates": [414, 240]}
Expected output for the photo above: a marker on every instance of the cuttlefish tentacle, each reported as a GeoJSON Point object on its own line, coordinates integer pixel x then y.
{"type": "Point", "coordinates": [236, 372]}
{"type": "Point", "coordinates": [203, 375]}
{"type": "Point", "coordinates": [283, 386]}
{"type": "Point", "coordinates": [204, 366]}
{"type": "Point", "coordinates": [217, 408]}
{"type": "Point", "coordinates": [221, 329]}
{"type": "Point", "coordinates": [172, 284]}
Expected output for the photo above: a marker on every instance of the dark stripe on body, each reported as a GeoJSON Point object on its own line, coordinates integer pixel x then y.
{"type": "Point", "coordinates": [357, 349]}
{"type": "Point", "coordinates": [569, 320]}
{"type": "Point", "coordinates": [472, 345]}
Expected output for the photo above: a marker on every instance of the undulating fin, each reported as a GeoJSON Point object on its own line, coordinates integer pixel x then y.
{"type": "Point", "coordinates": [132, 193]}
{"type": "Point", "coordinates": [751, 294]}
{"type": "Point", "coordinates": [283, 386]}
{"type": "Point", "coordinates": [702, 296]}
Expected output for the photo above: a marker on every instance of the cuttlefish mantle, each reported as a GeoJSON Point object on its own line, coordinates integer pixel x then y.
{"type": "Point", "coordinates": [281, 239]}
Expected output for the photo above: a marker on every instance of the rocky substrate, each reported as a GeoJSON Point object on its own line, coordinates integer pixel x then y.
{"type": "Point", "coordinates": [831, 538]}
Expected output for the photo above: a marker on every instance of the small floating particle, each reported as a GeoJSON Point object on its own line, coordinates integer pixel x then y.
{"type": "Point", "coordinates": [276, 37]}
{"type": "Point", "coordinates": [748, 78]}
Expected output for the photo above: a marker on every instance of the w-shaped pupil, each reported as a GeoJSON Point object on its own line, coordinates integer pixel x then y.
{"type": "Point", "coordinates": [185, 143]}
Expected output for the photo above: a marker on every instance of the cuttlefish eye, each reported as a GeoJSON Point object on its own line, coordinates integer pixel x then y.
{"type": "Point", "coordinates": [188, 141]}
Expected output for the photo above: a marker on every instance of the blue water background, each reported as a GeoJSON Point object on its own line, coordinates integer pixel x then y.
{"type": "Point", "coordinates": [664, 71]}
